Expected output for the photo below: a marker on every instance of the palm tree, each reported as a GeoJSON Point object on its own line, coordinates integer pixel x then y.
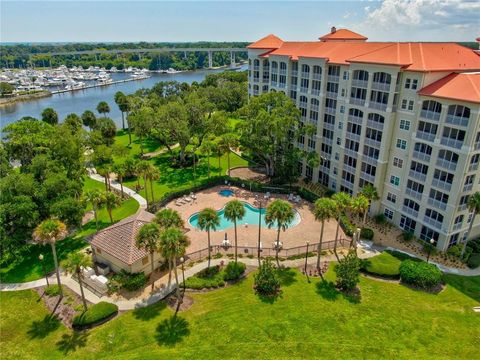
{"type": "Point", "coordinates": [173, 244]}
{"type": "Point", "coordinates": [207, 148]}
{"type": "Point", "coordinates": [103, 108]}
{"type": "Point", "coordinates": [73, 264]}
{"type": "Point", "coordinates": [227, 141]}
{"type": "Point", "coordinates": [96, 198]}
{"type": "Point", "coordinates": [119, 100]}
{"type": "Point", "coordinates": [89, 119]}
{"type": "Point", "coordinates": [370, 192]}
{"type": "Point", "coordinates": [343, 201]}
{"type": "Point", "coordinates": [143, 168]}
{"type": "Point", "coordinates": [111, 202]}
{"type": "Point", "coordinates": [208, 219]}
{"type": "Point", "coordinates": [104, 170]}
{"type": "Point", "coordinates": [279, 213]}
{"type": "Point", "coordinates": [120, 170]}
{"type": "Point", "coordinates": [234, 210]}
{"type": "Point", "coordinates": [148, 238]}
{"type": "Point", "coordinates": [325, 209]}
{"type": "Point", "coordinates": [152, 174]}
{"type": "Point", "coordinates": [360, 205]}
{"type": "Point", "coordinates": [49, 232]}
{"type": "Point", "coordinates": [474, 207]}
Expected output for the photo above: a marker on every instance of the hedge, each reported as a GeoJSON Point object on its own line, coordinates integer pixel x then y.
{"type": "Point", "coordinates": [473, 261]}
{"type": "Point", "coordinates": [95, 314]}
{"type": "Point", "coordinates": [207, 278]}
{"type": "Point", "coordinates": [366, 234]}
{"type": "Point", "coordinates": [346, 225]}
{"type": "Point", "coordinates": [234, 270]}
{"type": "Point", "coordinates": [384, 265]}
{"type": "Point", "coordinates": [420, 274]}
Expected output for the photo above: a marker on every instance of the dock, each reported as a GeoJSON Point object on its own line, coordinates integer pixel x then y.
{"type": "Point", "coordinates": [95, 85]}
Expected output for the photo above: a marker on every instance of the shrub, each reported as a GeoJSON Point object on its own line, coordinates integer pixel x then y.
{"type": "Point", "coordinates": [95, 314]}
{"type": "Point", "coordinates": [127, 281]}
{"type": "Point", "coordinates": [348, 272]}
{"type": "Point", "coordinates": [234, 270]}
{"type": "Point", "coordinates": [366, 234]}
{"type": "Point", "coordinates": [207, 278]}
{"type": "Point", "coordinates": [407, 236]}
{"type": "Point", "coordinates": [455, 250]}
{"type": "Point", "coordinates": [380, 219]}
{"type": "Point", "coordinates": [420, 274]}
{"type": "Point", "coordinates": [401, 256]}
{"type": "Point", "coordinates": [346, 225]}
{"type": "Point", "coordinates": [474, 245]}
{"type": "Point", "coordinates": [266, 281]}
{"type": "Point", "coordinates": [329, 193]}
{"type": "Point", "coordinates": [473, 261]}
{"type": "Point", "coordinates": [384, 264]}
{"type": "Point", "coordinates": [52, 290]}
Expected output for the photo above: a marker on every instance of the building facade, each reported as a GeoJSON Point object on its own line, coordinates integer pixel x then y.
{"type": "Point", "coordinates": [404, 117]}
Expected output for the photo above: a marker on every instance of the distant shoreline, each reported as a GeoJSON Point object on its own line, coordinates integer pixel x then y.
{"type": "Point", "coordinates": [26, 97]}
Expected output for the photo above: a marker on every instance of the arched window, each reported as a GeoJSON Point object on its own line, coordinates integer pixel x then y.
{"type": "Point", "coordinates": [382, 78]}
{"type": "Point", "coordinates": [361, 75]}
{"type": "Point", "coordinates": [274, 66]}
{"type": "Point", "coordinates": [376, 118]}
{"type": "Point", "coordinates": [448, 155]}
{"type": "Point", "coordinates": [355, 112]}
{"type": "Point", "coordinates": [423, 148]}
{"type": "Point", "coordinates": [458, 115]}
{"type": "Point", "coordinates": [256, 62]}
{"type": "Point", "coordinates": [314, 101]}
{"type": "Point", "coordinates": [283, 66]}
{"type": "Point", "coordinates": [305, 70]}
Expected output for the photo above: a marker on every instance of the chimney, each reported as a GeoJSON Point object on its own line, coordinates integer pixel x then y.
{"type": "Point", "coordinates": [333, 30]}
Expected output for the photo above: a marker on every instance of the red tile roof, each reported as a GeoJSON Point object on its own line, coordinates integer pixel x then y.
{"type": "Point", "coordinates": [118, 240]}
{"type": "Point", "coordinates": [268, 42]}
{"type": "Point", "coordinates": [464, 87]}
{"type": "Point", "coordinates": [342, 34]}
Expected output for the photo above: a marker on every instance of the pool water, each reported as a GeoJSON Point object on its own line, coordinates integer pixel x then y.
{"type": "Point", "coordinates": [226, 192]}
{"type": "Point", "coordinates": [250, 218]}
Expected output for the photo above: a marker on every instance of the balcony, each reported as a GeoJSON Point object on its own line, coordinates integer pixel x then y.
{"type": "Point", "coordinates": [430, 115]}
{"type": "Point", "coordinates": [303, 104]}
{"type": "Point", "coordinates": [333, 78]}
{"type": "Point", "coordinates": [314, 107]}
{"type": "Point", "coordinates": [325, 155]}
{"type": "Point", "coordinates": [449, 165]}
{"type": "Point", "coordinates": [355, 119]}
{"type": "Point", "coordinates": [372, 142]}
{"type": "Point", "coordinates": [441, 184]}
{"type": "Point", "coordinates": [417, 175]}
{"type": "Point", "coordinates": [349, 168]}
{"type": "Point", "coordinates": [380, 86]}
{"type": "Point", "coordinates": [438, 204]}
{"type": "Point", "coordinates": [305, 75]}
{"type": "Point", "coordinates": [282, 85]}
{"type": "Point", "coordinates": [351, 153]}
{"type": "Point", "coordinates": [414, 194]}
{"type": "Point", "coordinates": [347, 184]}
{"type": "Point", "coordinates": [462, 207]}
{"type": "Point", "coordinates": [256, 67]}
{"type": "Point", "coordinates": [328, 126]}
{"type": "Point", "coordinates": [473, 167]}
{"type": "Point", "coordinates": [421, 156]}
{"type": "Point", "coordinates": [370, 160]}
{"type": "Point", "coordinates": [357, 101]}
{"type": "Point", "coordinates": [353, 137]}
{"type": "Point", "coordinates": [274, 83]}
{"type": "Point", "coordinates": [374, 125]}
{"type": "Point", "coordinates": [331, 111]}
{"type": "Point", "coordinates": [435, 223]}
{"type": "Point", "coordinates": [293, 87]}
{"type": "Point", "coordinates": [256, 80]}
{"type": "Point", "coordinates": [457, 120]}
{"type": "Point", "coordinates": [294, 72]}
{"type": "Point", "coordinates": [315, 92]}
{"type": "Point", "coordinates": [283, 72]}
{"type": "Point", "coordinates": [317, 76]}
{"type": "Point", "coordinates": [454, 143]}
{"type": "Point", "coordinates": [377, 106]}
{"type": "Point", "coordinates": [327, 141]}
{"type": "Point", "coordinates": [467, 187]}
{"type": "Point", "coordinates": [303, 90]}
{"type": "Point", "coordinates": [410, 211]}
{"type": "Point", "coordinates": [423, 135]}
{"type": "Point", "coordinates": [265, 80]}
{"type": "Point", "coordinates": [359, 83]}
{"type": "Point", "coordinates": [332, 95]}
{"type": "Point", "coordinates": [367, 177]}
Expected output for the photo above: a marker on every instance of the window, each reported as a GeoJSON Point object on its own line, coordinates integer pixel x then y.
{"type": "Point", "coordinates": [351, 145]}
{"type": "Point", "coordinates": [453, 240]}
{"type": "Point", "coordinates": [404, 125]}
{"type": "Point", "coordinates": [428, 234]}
{"type": "Point", "coordinates": [354, 128]}
{"type": "Point", "coordinates": [438, 196]}
{"type": "Point", "coordinates": [415, 186]}
{"type": "Point", "coordinates": [458, 221]}
{"type": "Point", "coordinates": [340, 125]}
{"type": "Point", "coordinates": [350, 161]}
{"type": "Point", "coordinates": [339, 141]}
{"type": "Point", "coordinates": [411, 204]}
{"type": "Point", "coordinates": [401, 144]}
{"type": "Point", "coordinates": [419, 167]}
{"type": "Point", "coordinates": [404, 104]}
{"type": "Point", "coordinates": [392, 198]}
{"type": "Point", "coordinates": [342, 109]}
{"type": "Point", "coordinates": [369, 169]}
{"type": "Point", "coordinates": [397, 162]}
{"type": "Point", "coordinates": [374, 134]}
{"type": "Point", "coordinates": [348, 177]}
{"type": "Point", "coordinates": [394, 180]}
{"type": "Point", "coordinates": [371, 152]}
{"type": "Point", "coordinates": [337, 156]}
{"type": "Point", "coordinates": [434, 215]}
{"type": "Point", "coordinates": [388, 213]}
{"type": "Point", "coordinates": [408, 224]}
{"type": "Point", "coordinates": [345, 75]}
{"type": "Point", "coordinates": [414, 84]}
{"type": "Point", "coordinates": [407, 83]}
{"type": "Point", "coordinates": [410, 105]}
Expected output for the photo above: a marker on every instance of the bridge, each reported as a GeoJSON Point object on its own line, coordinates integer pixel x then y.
{"type": "Point", "coordinates": [141, 51]}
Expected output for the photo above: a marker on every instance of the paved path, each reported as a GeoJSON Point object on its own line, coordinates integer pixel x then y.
{"type": "Point", "coordinates": [160, 152]}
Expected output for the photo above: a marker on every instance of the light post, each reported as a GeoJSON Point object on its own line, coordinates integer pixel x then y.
{"type": "Point", "coordinates": [40, 257]}
{"type": "Point", "coordinates": [432, 241]}
{"type": "Point", "coordinates": [182, 260]}
{"type": "Point", "coordinates": [259, 227]}
{"type": "Point", "coordinates": [306, 257]}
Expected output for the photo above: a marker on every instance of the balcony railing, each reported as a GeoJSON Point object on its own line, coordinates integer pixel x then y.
{"type": "Point", "coordinates": [317, 76]}
{"type": "Point", "coordinates": [467, 187]}
{"type": "Point", "coordinates": [357, 101]}
{"type": "Point", "coordinates": [355, 119]}
{"type": "Point", "coordinates": [415, 194]}
{"type": "Point", "coordinates": [349, 168]}
{"type": "Point", "coordinates": [282, 85]}
{"type": "Point", "coordinates": [347, 184]}
{"type": "Point", "coordinates": [352, 136]}
{"type": "Point", "coordinates": [473, 167]}
{"type": "Point", "coordinates": [422, 135]}
{"type": "Point", "coordinates": [274, 83]}
{"type": "Point", "coordinates": [331, 94]}
{"type": "Point", "coordinates": [438, 204]}
{"type": "Point", "coordinates": [462, 207]}
{"type": "Point", "coordinates": [367, 177]}
{"type": "Point", "coordinates": [314, 107]}
{"type": "Point", "coordinates": [256, 80]}
{"type": "Point", "coordinates": [374, 125]}
{"type": "Point", "coordinates": [370, 160]}
{"type": "Point", "coordinates": [294, 72]}
{"type": "Point", "coordinates": [325, 155]}
{"type": "Point", "coordinates": [377, 106]}
{"type": "Point", "coordinates": [265, 80]}
{"type": "Point", "coordinates": [331, 111]}
{"type": "Point", "coordinates": [457, 120]}
{"type": "Point", "coordinates": [430, 115]}
{"type": "Point", "coordinates": [417, 175]}
{"type": "Point", "coordinates": [409, 211]}
{"type": "Point", "coordinates": [441, 184]}
{"type": "Point", "coordinates": [359, 83]}
{"type": "Point", "coordinates": [449, 165]}
{"type": "Point", "coordinates": [327, 141]}
{"type": "Point", "coordinates": [380, 86]}
{"type": "Point", "coordinates": [351, 153]}
{"type": "Point", "coordinates": [372, 142]}
{"type": "Point", "coordinates": [333, 78]}
{"type": "Point", "coordinates": [315, 92]}
{"type": "Point", "coordinates": [435, 223]}
{"type": "Point", "coordinates": [283, 72]}
{"type": "Point", "coordinates": [256, 67]}
{"type": "Point", "coordinates": [457, 226]}
{"type": "Point", "coordinates": [454, 143]}
{"type": "Point", "coordinates": [293, 87]}
{"type": "Point", "coordinates": [303, 104]}
{"type": "Point", "coordinates": [303, 89]}
{"type": "Point", "coordinates": [421, 156]}
{"type": "Point", "coordinates": [305, 75]}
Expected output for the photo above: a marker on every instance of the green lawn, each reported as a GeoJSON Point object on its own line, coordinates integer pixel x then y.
{"type": "Point", "coordinates": [309, 320]}
{"type": "Point", "coordinates": [383, 264]}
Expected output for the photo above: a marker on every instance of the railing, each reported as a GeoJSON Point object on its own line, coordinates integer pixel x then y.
{"type": "Point", "coordinates": [325, 155]}
{"type": "Point", "coordinates": [303, 104]}
{"type": "Point", "coordinates": [317, 76]}
{"type": "Point", "coordinates": [294, 72]}
{"type": "Point", "coordinates": [349, 168]}
{"type": "Point", "coordinates": [467, 187]}
{"type": "Point", "coordinates": [324, 169]}
{"type": "Point", "coordinates": [447, 164]}
{"type": "Point", "coordinates": [303, 89]}
{"type": "Point", "coordinates": [421, 156]}
{"type": "Point", "coordinates": [283, 72]}
{"type": "Point", "coordinates": [367, 177]}
{"type": "Point", "coordinates": [331, 111]}
{"type": "Point", "coordinates": [328, 126]}
{"type": "Point", "coordinates": [473, 167]}
{"type": "Point", "coordinates": [333, 78]}
{"type": "Point", "coordinates": [314, 107]}
{"type": "Point", "coordinates": [374, 125]}
{"type": "Point", "coordinates": [293, 87]}
{"type": "Point", "coordinates": [377, 106]}
{"type": "Point", "coordinates": [305, 75]}
{"type": "Point", "coordinates": [265, 80]}
{"type": "Point", "coordinates": [315, 91]}
{"type": "Point", "coordinates": [352, 136]}
{"type": "Point", "coordinates": [357, 101]}
{"type": "Point", "coordinates": [331, 94]}
{"type": "Point", "coordinates": [380, 86]}
{"type": "Point", "coordinates": [441, 184]}
{"type": "Point", "coordinates": [438, 204]}
{"type": "Point", "coordinates": [454, 143]}
{"type": "Point", "coordinates": [373, 143]}
{"type": "Point", "coordinates": [413, 193]}
{"type": "Point", "coordinates": [430, 115]}
{"type": "Point", "coordinates": [422, 135]}
{"type": "Point", "coordinates": [359, 83]}
{"type": "Point", "coordinates": [351, 153]}
{"type": "Point", "coordinates": [462, 207]}
{"type": "Point", "coordinates": [355, 119]}
{"type": "Point", "coordinates": [282, 85]}
{"type": "Point", "coordinates": [347, 184]}
{"type": "Point", "coordinates": [457, 120]}
{"type": "Point", "coordinates": [274, 83]}
{"type": "Point", "coordinates": [327, 141]}
{"type": "Point", "coordinates": [370, 160]}
{"type": "Point", "coordinates": [256, 79]}
{"type": "Point", "coordinates": [410, 211]}
{"type": "Point", "coordinates": [256, 67]}
{"type": "Point", "coordinates": [435, 223]}
{"type": "Point", "coordinates": [417, 175]}
{"type": "Point", "coordinates": [457, 226]}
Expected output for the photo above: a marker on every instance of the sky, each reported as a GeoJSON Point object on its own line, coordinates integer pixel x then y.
{"type": "Point", "coordinates": [178, 21]}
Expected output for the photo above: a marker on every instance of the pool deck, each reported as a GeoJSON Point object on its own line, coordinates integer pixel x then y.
{"type": "Point", "coordinates": [307, 230]}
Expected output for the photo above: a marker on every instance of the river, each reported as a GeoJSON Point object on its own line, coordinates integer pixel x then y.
{"type": "Point", "coordinates": [87, 99]}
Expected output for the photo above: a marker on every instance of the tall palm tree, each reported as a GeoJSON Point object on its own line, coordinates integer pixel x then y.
{"type": "Point", "coordinates": [111, 201]}
{"type": "Point", "coordinates": [325, 209]}
{"type": "Point", "coordinates": [173, 244]}
{"type": "Point", "coordinates": [152, 174]}
{"type": "Point", "coordinates": [103, 108]}
{"type": "Point", "coordinates": [343, 201]}
{"type": "Point", "coordinates": [104, 170]}
{"type": "Point", "coordinates": [119, 100]}
{"type": "Point", "coordinates": [208, 219]}
{"type": "Point", "coordinates": [89, 119]}
{"type": "Point", "coordinates": [120, 170]}
{"type": "Point", "coordinates": [474, 207]}
{"type": "Point", "coordinates": [370, 192]}
{"type": "Point", "coordinates": [227, 141]}
{"type": "Point", "coordinates": [280, 214]}
{"type": "Point", "coordinates": [49, 232]}
{"type": "Point", "coordinates": [234, 211]}
{"type": "Point", "coordinates": [143, 168]}
{"type": "Point", "coordinates": [148, 238]}
{"type": "Point", "coordinates": [207, 148]}
{"type": "Point", "coordinates": [95, 197]}
{"type": "Point", "coordinates": [360, 205]}
{"type": "Point", "coordinates": [168, 218]}
{"type": "Point", "coordinates": [73, 264]}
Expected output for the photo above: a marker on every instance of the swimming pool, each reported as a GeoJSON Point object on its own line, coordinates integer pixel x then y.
{"type": "Point", "coordinates": [251, 218]}
{"type": "Point", "coordinates": [226, 192]}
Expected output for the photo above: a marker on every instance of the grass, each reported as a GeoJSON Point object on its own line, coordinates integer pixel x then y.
{"type": "Point", "coordinates": [309, 320]}
{"type": "Point", "coordinates": [383, 264]}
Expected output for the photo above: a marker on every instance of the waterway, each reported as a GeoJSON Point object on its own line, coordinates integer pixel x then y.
{"type": "Point", "coordinates": [87, 99]}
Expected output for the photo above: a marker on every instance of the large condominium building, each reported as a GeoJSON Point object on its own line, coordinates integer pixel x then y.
{"type": "Point", "coordinates": [403, 117]}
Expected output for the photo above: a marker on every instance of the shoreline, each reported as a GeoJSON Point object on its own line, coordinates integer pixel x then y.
{"type": "Point", "coordinates": [26, 97]}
